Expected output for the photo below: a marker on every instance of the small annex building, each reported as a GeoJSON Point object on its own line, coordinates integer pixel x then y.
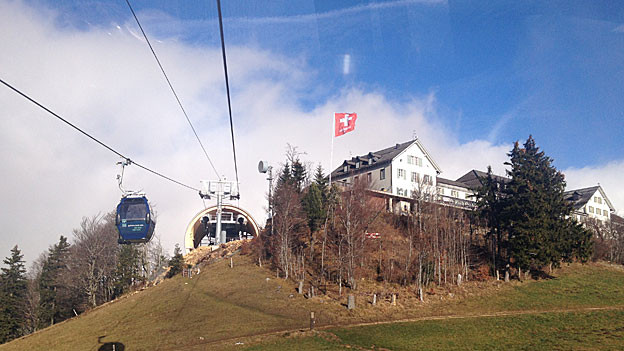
{"type": "Point", "coordinates": [590, 203]}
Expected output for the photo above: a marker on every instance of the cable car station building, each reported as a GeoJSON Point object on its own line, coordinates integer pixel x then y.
{"type": "Point", "coordinates": [235, 222]}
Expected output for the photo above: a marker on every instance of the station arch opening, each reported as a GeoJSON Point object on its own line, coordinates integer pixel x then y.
{"type": "Point", "coordinates": [237, 223]}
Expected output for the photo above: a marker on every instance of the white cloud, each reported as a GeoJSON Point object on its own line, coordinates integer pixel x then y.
{"type": "Point", "coordinates": [110, 86]}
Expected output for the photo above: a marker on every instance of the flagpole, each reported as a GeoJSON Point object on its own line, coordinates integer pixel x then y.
{"type": "Point", "coordinates": [331, 153]}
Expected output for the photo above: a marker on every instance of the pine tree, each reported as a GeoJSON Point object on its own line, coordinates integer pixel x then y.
{"type": "Point", "coordinates": [285, 177]}
{"type": "Point", "coordinates": [313, 207]}
{"type": "Point", "coordinates": [176, 263]}
{"type": "Point", "coordinates": [489, 209]}
{"type": "Point", "coordinates": [319, 178]}
{"type": "Point", "coordinates": [13, 293]}
{"type": "Point", "coordinates": [322, 182]}
{"type": "Point", "coordinates": [535, 213]}
{"type": "Point", "coordinates": [127, 272]}
{"type": "Point", "coordinates": [299, 174]}
{"type": "Point", "coordinates": [53, 304]}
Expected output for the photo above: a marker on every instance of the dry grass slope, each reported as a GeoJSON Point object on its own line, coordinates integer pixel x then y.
{"type": "Point", "coordinates": [222, 306]}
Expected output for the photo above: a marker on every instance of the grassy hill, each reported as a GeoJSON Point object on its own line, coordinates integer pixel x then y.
{"type": "Point", "coordinates": [248, 305]}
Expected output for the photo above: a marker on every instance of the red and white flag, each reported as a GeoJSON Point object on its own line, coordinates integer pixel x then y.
{"type": "Point", "coordinates": [344, 123]}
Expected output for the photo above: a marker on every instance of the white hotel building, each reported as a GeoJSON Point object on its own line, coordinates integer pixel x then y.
{"type": "Point", "coordinates": [406, 171]}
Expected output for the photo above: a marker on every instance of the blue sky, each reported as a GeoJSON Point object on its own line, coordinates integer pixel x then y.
{"type": "Point", "coordinates": [500, 70]}
{"type": "Point", "coordinates": [469, 78]}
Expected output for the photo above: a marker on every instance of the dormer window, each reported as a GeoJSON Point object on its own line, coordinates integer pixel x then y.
{"type": "Point", "coordinates": [345, 169]}
{"type": "Point", "coordinates": [357, 164]}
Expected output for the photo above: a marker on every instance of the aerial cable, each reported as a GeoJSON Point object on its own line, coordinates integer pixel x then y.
{"type": "Point", "coordinates": [227, 90]}
{"type": "Point", "coordinates": [93, 138]}
{"type": "Point", "coordinates": [172, 89]}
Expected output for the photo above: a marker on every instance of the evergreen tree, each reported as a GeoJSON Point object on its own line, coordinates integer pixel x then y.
{"type": "Point", "coordinates": [13, 294]}
{"type": "Point", "coordinates": [322, 182]}
{"type": "Point", "coordinates": [535, 212]}
{"type": "Point", "coordinates": [128, 268]}
{"type": "Point", "coordinates": [299, 174]}
{"type": "Point", "coordinates": [313, 207]}
{"type": "Point", "coordinates": [319, 178]}
{"type": "Point", "coordinates": [176, 263]}
{"type": "Point", "coordinates": [285, 177]}
{"type": "Point", "coordinates": [578, 242]}
{"type": "Point", "coordinates": [489, 209]}
{"type": "Point", "coordinates": [55, 303]}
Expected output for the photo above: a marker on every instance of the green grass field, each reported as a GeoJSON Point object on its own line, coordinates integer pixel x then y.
{"type": "Point", "coordinates": [598, 330]}
{"type": "Point", "coordinates": [224, 306]}
{"type": "Point", "coordinates": [572, 324]}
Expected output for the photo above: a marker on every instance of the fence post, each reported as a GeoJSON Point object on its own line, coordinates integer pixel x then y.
{"type": "Point", "coordinates": [351, 302]}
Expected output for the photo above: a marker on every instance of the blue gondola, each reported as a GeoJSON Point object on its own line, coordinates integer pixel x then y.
{"type": "Point", "coordinates": [134, 220]}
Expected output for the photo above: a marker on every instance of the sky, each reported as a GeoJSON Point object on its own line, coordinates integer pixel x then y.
{"type": "Point", "coordinates": [468, 78]}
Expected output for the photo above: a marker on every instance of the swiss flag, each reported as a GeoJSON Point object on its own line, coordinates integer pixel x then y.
{"type": "Point", "coordinates": [344, 123]}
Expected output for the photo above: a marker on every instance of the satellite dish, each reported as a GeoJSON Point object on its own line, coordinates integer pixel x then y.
{"type": "Point", "coordinates": [263, 166]}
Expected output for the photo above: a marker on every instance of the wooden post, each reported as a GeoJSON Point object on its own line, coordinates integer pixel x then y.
{"type": "Point", "coordinates": [300, 289]}
{"type": "Point", "coordinates": [393, 299]}
{"type": "Point", "coordinates": [312, 320]}
{"type": "Point", "coordinates": [231, 263]}
{"type": "Point", "coordinates": [374, 299]}
{"type": "Point", "coordinates": [351, 302]}
{"type": "Point", "coordinates": [506, 276]}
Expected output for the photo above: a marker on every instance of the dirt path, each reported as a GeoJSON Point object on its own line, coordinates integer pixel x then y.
{"type": "Point", "coordinates": [256, 337]}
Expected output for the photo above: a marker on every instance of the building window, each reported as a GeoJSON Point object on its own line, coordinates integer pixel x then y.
{"type": "Point", "coordinates": [591, 209]}
{"type": "Point", "coordinates": [413, 160]}
{"type": "Point", "coordinates": [427, 179]}
{"type": "Point", "coordinates": [382, 174]}
{"type": "Point", "coordinates": [441, 191]}
{"type": "Point", "coordinates": [345, 169]}
{"type": "Point", "coordinates": [369, 177]}
{"type": "Point", "coordinates": [399, 191]}
{"type": "Point", "coordinates": [454, 193]}
{"type": "Point", "coordinates": [415, 177]}
{"type": "Point", "coordinates": [357, 164]}
{"type": "Point", "coordinates": [401, 173]}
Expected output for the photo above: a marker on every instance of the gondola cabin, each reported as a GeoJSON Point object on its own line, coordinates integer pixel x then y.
{"type": "Point", "coordinates": [134, 220]}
